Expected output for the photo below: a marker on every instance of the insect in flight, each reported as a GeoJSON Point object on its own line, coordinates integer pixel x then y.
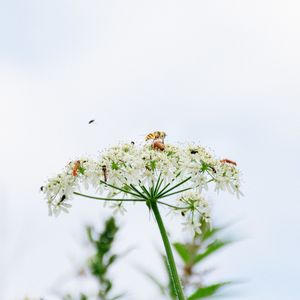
{"type": "Point", "coordinates": [91, 121]}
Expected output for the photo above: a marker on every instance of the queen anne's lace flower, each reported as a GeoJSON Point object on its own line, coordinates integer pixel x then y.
{"type": "Point", "coordinates": [140, 172]}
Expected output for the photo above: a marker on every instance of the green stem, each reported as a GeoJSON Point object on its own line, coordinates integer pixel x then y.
{"type": "Point", "coordinates": [119, 189]}
{"type": "Point", "coordinates": [157, 185]}
{"type": "Point", "coordinates": [174, 193]}
{"type": "Point", "coordinates": [170, 257]}
{"type": "Point", "coordinates": [137, 191]}
{"type": "Point", "coordinates": [161, 193]}
{"type": "Point", "coordinates": [173, 206]}
{"type": "Point", "coordinates": [109, 199]}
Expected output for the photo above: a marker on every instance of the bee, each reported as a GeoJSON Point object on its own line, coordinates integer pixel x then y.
{"type": "Point", "coordinates": [104, 169]}
{"type": "Point", "coordinates": [193, 151]}
{"type": "Point", "coordinates": [158, 145]}
{"type": "Point", "coordinates": [156, 135]}
{"type": "Point", "coordinates": [75, 168]}
{"type": "Point", "coordinates": [228, 161]}
{"type": "Point", "coordinates": [158, 138]}
{"type": "Point", "coordinates": [42, 188]}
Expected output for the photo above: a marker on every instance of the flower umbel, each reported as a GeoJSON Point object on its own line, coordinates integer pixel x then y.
{"type": "Point", "coordinates": [194, 208]}
{"type": "Point", "coordinates": [130, 172]}
{"type": "Point", "coordinates": [149, 173]}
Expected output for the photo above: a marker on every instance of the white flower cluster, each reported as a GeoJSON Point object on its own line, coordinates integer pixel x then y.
{"type": "Point", "coordinates": [195, 208]}
{"type": "Point", "coordinates": [140, 171]}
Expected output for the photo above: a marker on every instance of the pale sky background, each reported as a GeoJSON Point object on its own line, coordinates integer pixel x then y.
{"type": "Point", "coordinates": [225, 74]}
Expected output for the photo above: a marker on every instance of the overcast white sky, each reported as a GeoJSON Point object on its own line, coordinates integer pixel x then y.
{"type": "Point", "coordinates": [222, 73]}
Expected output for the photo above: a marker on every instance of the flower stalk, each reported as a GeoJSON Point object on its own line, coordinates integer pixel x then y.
{"type": "Point", "coordinates": [171, 262]}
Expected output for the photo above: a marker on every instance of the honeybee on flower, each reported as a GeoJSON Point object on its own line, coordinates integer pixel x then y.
{"type": "Point", "coordinates": [156, 135]}
{"type": "Point", "coordinates": [158, 140]}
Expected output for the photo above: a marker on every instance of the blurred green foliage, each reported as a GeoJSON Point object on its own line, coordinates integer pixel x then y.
{"type": "Point", "coordinates": [192, 254]}
{"type": "Point", "coordinates": [101, 261]}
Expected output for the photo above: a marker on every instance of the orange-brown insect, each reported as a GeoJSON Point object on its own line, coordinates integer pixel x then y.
{"type": "Point", "coordinates": [228, 161]}
{"type": "Point", "coordinates": [75, 168]}
{"type": "Point", "coordinates": [158, 145]}
{"type": "Point", "coordinates": [156, 135]}
{"type": "Point", "coordinates": [104, 169]}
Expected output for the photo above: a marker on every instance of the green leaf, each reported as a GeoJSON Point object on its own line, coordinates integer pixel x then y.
{"type": "Point", "coordinates": [90, 234]}
{"type": "Point", "coordinates": [210, 233]}
{"type": "Point", "coordinates": [183, 251]}
{"type": "Point", "coordinates": [211, 248]}
{"type": "Point", "coordinates": [111, 260]}
{"type": "Point", "coordinates": [207, 291]}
